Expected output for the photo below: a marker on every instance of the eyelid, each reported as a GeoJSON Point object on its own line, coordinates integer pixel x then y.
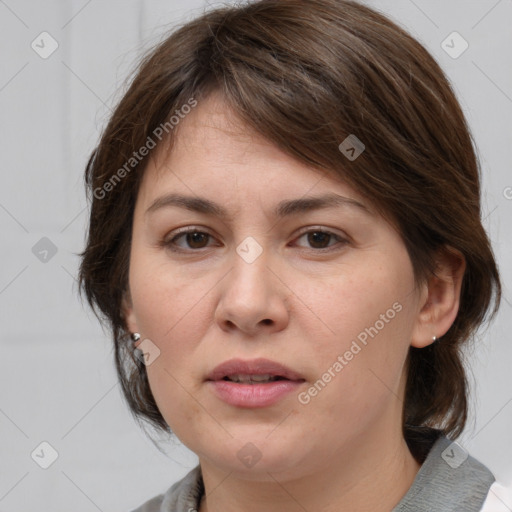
{"type": "Point", "coordinates": [189, 229]}
{"type": "Point", "coordinates": [168, 241]}
{"type": "Point", "coordinates": [340, 239]}
{"type": "Point", "coordinates": [306, 229]}
{"type": "Point", "coordinates": [323, 229]}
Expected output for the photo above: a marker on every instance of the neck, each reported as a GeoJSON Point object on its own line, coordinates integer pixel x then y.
{"type": "Point", "coordinates": [373, 473]}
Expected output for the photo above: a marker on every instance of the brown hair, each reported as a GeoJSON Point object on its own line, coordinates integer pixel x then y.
{"type": "Point", "coordinates": [306, 74]}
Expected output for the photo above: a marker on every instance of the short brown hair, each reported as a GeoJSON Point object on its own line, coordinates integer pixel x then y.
{"type": "Point", "coordinates": [306, 74]}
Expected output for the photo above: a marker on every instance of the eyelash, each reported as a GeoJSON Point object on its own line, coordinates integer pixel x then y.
{"type": "Point", "coordinates": [171, 243]}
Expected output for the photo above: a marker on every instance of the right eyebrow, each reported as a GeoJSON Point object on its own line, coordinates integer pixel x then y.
{"type": "Point", "coordinates": [283, 209]}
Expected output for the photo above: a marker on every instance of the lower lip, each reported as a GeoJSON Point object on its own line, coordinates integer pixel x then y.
{"type": "Point", "coordinates": [253, 395]}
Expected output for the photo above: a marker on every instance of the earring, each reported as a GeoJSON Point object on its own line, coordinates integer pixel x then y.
{"type": "Point", "coordinates": [135, 337]}
{"type": "Point", "coordinates": [434, 338]}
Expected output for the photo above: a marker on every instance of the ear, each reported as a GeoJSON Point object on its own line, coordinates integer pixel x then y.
{"type": "Point", "coordinates": [128, 313]}
{"type": "Point", "coordinates": [440, 298]}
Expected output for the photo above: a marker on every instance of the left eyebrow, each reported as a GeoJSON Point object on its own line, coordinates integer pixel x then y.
{"type": "Point", "coordinates": [283, 209]}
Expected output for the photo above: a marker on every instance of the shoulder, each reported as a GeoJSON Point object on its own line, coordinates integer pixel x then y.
{"type": "Point", "coordinates": [449, 477]}
{"type": "Point", "coordinates": [183, 496]}
{"type": "Point", "coordinates": [152, 505]}
{"type": "Point", "coordinates": [499, 498]}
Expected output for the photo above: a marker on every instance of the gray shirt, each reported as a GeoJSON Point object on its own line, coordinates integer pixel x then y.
{"type": "Point", "coordinates": [449, 480]}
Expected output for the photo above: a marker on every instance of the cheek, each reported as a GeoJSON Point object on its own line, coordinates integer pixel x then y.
{"type": "Point", "coordinates": [173, 313]}
{"type": "Point", "coordinates": [365, 316]}
{"type": "Point", "coordinates": [340, 306]}
{"type": "Point", "coordinates": [175, 317]}
{"type": "Point", "coordinates": [166, 300]}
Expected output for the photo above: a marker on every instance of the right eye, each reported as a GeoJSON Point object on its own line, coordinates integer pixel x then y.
{"type": "Point", "coordinates": [193, 238]}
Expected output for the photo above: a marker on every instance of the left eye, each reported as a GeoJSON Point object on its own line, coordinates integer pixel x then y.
{"type": "Point", "coordinates": [319, 238]}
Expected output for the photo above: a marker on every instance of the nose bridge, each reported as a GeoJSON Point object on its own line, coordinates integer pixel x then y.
{"type": "Point", "coordinates": [250, 266]}
{"type": "Point", "coordinates": [251, 296]}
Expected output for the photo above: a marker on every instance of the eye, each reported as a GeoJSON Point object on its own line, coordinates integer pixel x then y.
{"type": "Point", "coordinates": [192, 237]}
{"type": "Point", "coordinates": [320, 238]}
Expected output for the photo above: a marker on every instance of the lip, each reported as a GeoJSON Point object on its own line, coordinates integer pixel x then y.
{"type": "Point", "coordinates": [253, 395]}
{"type": "Point", "coordinates": [259, 366]}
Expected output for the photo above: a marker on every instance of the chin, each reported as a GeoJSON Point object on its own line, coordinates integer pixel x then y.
{"type": "Point", "coordinates": [255, 454]}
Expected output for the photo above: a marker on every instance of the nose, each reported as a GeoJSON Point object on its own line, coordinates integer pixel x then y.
{"type": "Point", "coordinates": [253, 298]}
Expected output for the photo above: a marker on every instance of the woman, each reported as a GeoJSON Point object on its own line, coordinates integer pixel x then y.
{"type": "Point", "coordinates": [285, 239]}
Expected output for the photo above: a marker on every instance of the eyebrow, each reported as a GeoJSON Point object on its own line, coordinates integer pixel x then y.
{"type": "Point", "coordinates": [283, 209]}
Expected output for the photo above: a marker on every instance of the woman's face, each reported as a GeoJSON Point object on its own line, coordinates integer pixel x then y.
{"type": "Point", "coordinates": [328, 292]}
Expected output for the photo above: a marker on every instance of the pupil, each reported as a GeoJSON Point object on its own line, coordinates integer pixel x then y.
{"type": "Point", "coordinates": [195, 238]}
{"type": "Point", "coordinates": [318, 237]}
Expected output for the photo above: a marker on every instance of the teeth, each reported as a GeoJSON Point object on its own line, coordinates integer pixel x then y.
{"type": "Point", "coordinates": [252, 378]}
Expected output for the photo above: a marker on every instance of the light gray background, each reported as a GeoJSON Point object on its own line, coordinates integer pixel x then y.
{"type": "Point", "coordinates": [57, 377]}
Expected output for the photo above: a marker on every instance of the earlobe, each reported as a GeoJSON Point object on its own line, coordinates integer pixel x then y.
{"type": "Point", "coordinates": [440, 302]}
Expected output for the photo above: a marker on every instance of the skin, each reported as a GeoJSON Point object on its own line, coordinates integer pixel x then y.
{"type": "Point", "coordinates": [342, 451]}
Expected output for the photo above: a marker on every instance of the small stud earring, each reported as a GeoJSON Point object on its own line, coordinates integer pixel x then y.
{"type": "Point", "coordinates": [135, 336]}
{"type": "Point", "coordinates": [434, 338]}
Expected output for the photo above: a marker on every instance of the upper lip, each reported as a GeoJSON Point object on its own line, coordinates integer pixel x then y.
{"type": "Point", "coordinates": [253, 367]}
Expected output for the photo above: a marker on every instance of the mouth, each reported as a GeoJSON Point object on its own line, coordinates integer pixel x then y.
{"type": "Point", "coordinates": [252, 384]}
{"type": "Point", "coordinates": [255, 371]}
{"type": "Point", "coordinates": [253, 379]}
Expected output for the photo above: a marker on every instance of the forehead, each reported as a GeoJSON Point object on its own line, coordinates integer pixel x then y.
{"type": "Point", "coordinates": [214, 136]}
{"type": "Point", "coordinates": [214, 154]}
